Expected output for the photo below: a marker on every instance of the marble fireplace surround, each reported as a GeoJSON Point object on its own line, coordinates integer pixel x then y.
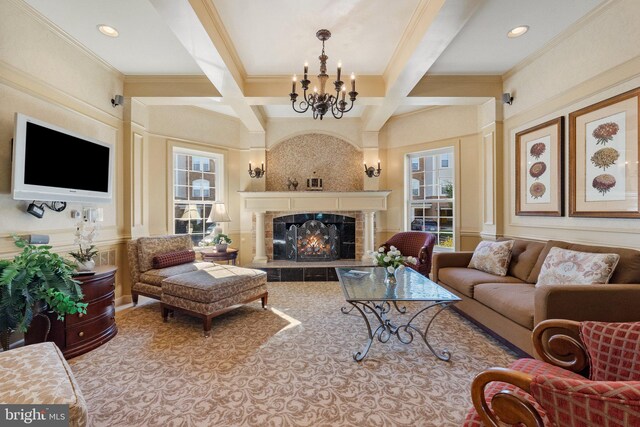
{"type": "Point", "coordinates": [269, 204]}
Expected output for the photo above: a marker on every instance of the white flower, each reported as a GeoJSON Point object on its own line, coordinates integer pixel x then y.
{"type": "Point", "coordinates": [390, 269]}
{"type": "Point", "coordinates": [412, 260]}
{"type": "Point", "coordinates": [401, 267]}
{"type": "Point", "coordinates": [393, 248]}
{"type": "Point", "coordinates": [386, 259]}
{"type": "Point", "coordinates": [381, 249]}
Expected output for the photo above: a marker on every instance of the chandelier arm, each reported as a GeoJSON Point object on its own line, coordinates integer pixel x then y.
{"type": "Point", "coordinates": [348, 109]}
{"type": "Point", "coordinates": [303, 106]}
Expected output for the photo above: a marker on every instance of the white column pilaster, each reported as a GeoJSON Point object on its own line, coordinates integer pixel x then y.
{"type": "Point", "coordinates": [368, 234]}
{"type": "Point", "coordinates": [261, 255]}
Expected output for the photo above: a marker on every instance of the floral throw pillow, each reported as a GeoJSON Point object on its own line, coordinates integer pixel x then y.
{"type": "Point", "coordinates": [492, 257]}
{"type": "Point", "coordinates": [563, 266]}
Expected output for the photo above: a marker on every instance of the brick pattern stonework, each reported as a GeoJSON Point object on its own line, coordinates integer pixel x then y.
{"type": "Point", "coordinates": [268, 230]}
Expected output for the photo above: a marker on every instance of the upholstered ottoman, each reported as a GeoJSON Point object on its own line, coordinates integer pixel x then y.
{"type": "Point", "coordinates": [213, 291]}
{"type": "Point", "coordinates": [38, 374]}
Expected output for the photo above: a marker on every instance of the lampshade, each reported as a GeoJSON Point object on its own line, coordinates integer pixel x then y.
{"type": "Point", "coordinates": [191, 213]}
{"type": "Point", "coordinates": [218, 213]}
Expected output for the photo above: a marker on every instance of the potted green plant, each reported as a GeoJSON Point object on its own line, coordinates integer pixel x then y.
{"type": "Point", "coordinates": [221, 241]}
{"type": "Point", "coordinates": [36, 280]}
{"type": "Point", "coordinates": [84, 257]}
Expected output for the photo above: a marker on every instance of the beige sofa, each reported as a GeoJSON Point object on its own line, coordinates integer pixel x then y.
{"type": "Point", "coordinates": [202, 289]}
{"type": "Point", "coordinates": [38, 374]}
{"type": "Point", "coordinates": [511, 306]}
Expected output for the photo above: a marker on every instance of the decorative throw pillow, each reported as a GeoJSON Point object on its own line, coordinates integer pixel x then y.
{"type": "Point", "coordinates": [492, 257]}
{"type": "Point", "coordinates": [173, 258]}
{"type": "Point", "coordinates": [563, 266]}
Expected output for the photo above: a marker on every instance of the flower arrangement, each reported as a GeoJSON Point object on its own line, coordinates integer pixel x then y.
{"type": "Point", "coordinates": [84, 254]}
{"type": "Point", "coordinates": [222, 239]}
{"type": "Point", "coordinates": [392, 260]}
{"type": "Point", "coordinates": [85, 233]}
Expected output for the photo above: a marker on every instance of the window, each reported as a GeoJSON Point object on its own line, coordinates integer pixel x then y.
{"type": "Point", "coordinates": [196, 186]}
{"type": "Point", "coordinates": [431, 197]}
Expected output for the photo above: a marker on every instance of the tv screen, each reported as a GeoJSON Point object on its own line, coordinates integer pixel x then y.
{"type": "Point", "coordinates": [53, 164]}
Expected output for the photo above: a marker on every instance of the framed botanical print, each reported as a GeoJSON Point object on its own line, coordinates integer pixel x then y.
{"type": "Point", "coordinates": [603, 158]}
{"type": "Point", "coordinates": [539, 169]}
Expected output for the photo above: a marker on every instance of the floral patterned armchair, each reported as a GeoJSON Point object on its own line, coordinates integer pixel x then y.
{"type": "Point", "coordinates": [589, 375]}
{"type": "Point", "coordinates": [417, 244]}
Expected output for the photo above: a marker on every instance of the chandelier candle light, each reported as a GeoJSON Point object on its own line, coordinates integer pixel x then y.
{"type": "Point", "coordinates": [322, 102]}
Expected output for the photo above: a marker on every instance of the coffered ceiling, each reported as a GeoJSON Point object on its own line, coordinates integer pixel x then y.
{"type": "Point", "coordinates": [248, 49]}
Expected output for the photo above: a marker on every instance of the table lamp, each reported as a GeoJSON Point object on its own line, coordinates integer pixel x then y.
{"type": "Point", "coordinates": [191, 212]}
{"type": "Point", "coordinates": [218, 214]}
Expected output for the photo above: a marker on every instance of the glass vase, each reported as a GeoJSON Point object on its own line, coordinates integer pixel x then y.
{"type": "Point", "coordinates": [389, 277]}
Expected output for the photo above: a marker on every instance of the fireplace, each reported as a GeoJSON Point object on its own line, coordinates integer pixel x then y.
{"type": "Point", "coordinates": [314, 237]}
{"type": "Point", "coordinates": [312, 241]}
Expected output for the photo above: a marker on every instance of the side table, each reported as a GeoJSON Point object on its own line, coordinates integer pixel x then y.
{"type": "Point", "coordinates": [213, 256]}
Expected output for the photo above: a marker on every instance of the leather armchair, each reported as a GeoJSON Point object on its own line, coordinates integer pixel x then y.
{"type": "Point", "coordinates": [417, 244]}
{"type": "Point", "coordinates": [588, 375]}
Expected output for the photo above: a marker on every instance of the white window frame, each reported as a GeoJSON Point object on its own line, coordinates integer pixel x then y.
{"type": "Point", "coordinates": [410, 205]}
{"type": "Point", "coordinates": [218, 187]}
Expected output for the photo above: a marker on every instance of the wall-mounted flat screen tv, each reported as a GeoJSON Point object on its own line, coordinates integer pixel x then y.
{"type": "Point", "coordinates": [54, 164]}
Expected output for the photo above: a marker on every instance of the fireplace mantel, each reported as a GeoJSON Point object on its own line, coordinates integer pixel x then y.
{"type": "Point", "coordinates": [261, 202]}
{"type": "Point", "coordinates": [296, 201]}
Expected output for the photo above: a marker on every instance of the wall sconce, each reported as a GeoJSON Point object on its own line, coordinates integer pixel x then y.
{"type": "Point", "coordinates": [117, 100]}
{"type": "Point", "coordinates": [258, 172]}
{"type": "Point", "coordinates": [371, 171]}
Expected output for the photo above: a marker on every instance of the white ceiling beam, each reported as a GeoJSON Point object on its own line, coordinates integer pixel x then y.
{"type": "Point", "coordinates": [436, 24]}
{"type": "Point", "coordinates": [193, 23]}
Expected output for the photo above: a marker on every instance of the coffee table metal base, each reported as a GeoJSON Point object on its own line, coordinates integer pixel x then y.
{"type": "Point", "coordinates": [386, 328]}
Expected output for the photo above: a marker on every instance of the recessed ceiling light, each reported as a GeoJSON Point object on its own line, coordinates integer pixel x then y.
{"type": "Point", "coordinates": [108, 30]}
{"type": "Point", "coordinates": [518, 31]}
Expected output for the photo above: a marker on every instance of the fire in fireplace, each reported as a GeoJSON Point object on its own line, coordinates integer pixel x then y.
{"type": "Point", "coordinates": [312, 241]}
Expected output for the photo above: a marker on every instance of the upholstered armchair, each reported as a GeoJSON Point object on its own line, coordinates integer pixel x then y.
{"type": "Point", "coordinates": [588, 375]}
{"type": "Point", "coordinates": [417, 244]}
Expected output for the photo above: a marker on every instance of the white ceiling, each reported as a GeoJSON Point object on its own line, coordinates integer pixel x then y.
{"type": "Point", "coordinates": [483, 47]}
{"type": "Point", "coordinates": [146, 45]}
{"type": "Point", "coordinates": [276, 37]}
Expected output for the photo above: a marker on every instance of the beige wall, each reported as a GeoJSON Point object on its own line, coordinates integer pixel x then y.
{"type": "Point", "coordinates": [425, 130]}
{"type": "Point", "coordinates": [71, 89]}
{"type": "Point", "coordinates": [597, 59]}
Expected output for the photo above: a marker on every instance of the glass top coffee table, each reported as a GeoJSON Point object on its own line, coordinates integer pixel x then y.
{"type": "Point", "coordinates": [365, 289]}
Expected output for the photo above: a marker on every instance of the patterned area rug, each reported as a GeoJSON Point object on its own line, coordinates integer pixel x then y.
{"type": "Point", "coordinates": [290, 365]}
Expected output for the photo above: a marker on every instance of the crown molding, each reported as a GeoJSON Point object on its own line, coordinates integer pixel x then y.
{"type": "Point", "coordinates": [571, 30]}
{"type": "Point", "coordinates": [64, 36]}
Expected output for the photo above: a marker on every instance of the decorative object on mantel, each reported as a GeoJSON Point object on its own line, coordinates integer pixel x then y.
{"type": "Point", "coordinates": [257, 172]}
{"type": "Point", "coordinates": [371, 171]}
{"type": "Point", "coordinates": [218, 214]}
{"type": "Point", "coordinates": [314, 184]}
{"type": "Point", "coordinates": [321, 102]}
{"type": "Point", "coordinates": [604, 151]}
{"type": "Point", "coordinates": [292, 185]}
{"type": "Point", "coordinates": [35, 281]}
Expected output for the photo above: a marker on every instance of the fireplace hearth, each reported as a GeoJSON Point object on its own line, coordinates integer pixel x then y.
{"type": "Point", "coordinates": [312, 241]}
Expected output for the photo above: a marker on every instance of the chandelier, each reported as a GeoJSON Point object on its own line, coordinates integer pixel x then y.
{"type": "Point", "coordinates": [320, 101]}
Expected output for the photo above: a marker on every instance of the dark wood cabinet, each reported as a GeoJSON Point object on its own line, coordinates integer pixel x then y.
{"type": "Point", "coordinates": [80, 333]}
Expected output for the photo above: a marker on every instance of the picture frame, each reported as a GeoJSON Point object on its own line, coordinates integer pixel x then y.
{"type": "Point", "coordinates": [604, 152]}
{"type": "Point", "coordinates": [540, 169]}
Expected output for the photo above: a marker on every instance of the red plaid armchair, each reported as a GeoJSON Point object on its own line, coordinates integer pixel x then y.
{"type": "Point", "coordinates": [589, 375]}
{"type": "Point", "coordinates": [417, 244]}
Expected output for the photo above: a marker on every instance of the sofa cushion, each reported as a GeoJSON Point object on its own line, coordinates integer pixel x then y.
{"type": "Point", "coordinates": [39, 374]}
{"type": "Point", "coordinates": [627, 271]}
{"type": "Point", "coordinates": [492, 257]}
{"type": "Point", "coordinates": [213, 284]}
{"type": "Point", "coordinates": [173, 258]}
{"type": "Point", "coordinates": [148, 247]}
{"type": "Point", "coordinates": [464, 279]}
{"type": "Point", "coordinates": [155, 276]}
{"type": "Point", "coordinates": [524, 256]}
{"type": "Point", "coordinates": [563, 266]}
{"type": "Point", "coordinates": [513, 300]}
